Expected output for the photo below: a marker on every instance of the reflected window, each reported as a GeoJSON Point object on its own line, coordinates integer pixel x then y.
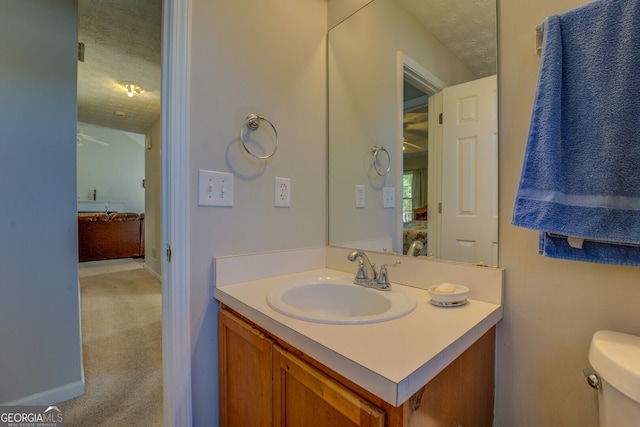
{"type": "Point", "coordinates": [407, 196]}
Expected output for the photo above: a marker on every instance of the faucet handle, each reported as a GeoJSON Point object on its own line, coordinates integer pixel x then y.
{"type": "Point", "coordinates": [361, 273]}
{"type": "Point", "coordinates": [383, 281]}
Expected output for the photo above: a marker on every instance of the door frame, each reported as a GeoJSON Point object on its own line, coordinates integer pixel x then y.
{"type": "Point", "coordinates": [176, 327]}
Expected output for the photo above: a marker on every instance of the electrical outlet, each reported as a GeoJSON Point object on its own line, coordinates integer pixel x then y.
{"type": "Point", "coordinates": [389, 197]}
{"type": "Point", "coordinates": [360, 196]}
{"type": "Point", "coordinates": [282, 192]}
{"type": "Point", "coordinates": [215, 188]}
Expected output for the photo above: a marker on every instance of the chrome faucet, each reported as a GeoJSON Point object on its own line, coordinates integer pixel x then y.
{"type": "Point", "coordinates": [416, 245]}
{"type": "Point", "coordinates": [367, 275]}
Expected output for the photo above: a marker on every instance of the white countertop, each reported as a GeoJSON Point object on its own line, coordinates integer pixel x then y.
{"type": "Point", "coordinates": [392, 359]}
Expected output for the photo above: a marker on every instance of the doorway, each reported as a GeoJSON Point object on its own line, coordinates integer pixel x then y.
{"type": "Point", "coordinates": [417, 111]}
{"type": "Point", "coordinates": [52, 66]}
{"type": "Point", "coordinates": [173, 248]}
{"type": "Point", "coordinates": [415, 164]}
{"type": "Point", "coordinates": [119, 107]}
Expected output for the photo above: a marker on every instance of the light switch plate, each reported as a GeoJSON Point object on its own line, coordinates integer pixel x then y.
{"type": "Point", "coordinates": [389, 197]}
{"type": "Point", "coordinates": [215, 188]}
{"type": "Point", "coordinates": [360, 196]}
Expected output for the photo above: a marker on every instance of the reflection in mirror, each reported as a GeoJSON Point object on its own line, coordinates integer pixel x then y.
{"type": "Point", "coordinates": [391, 79]}
{"type": "Point", "coordinates": [415, 161]}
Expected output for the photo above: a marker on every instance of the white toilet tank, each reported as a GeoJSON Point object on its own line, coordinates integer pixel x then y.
{"type": "Point", "coordinates": [615, 357]}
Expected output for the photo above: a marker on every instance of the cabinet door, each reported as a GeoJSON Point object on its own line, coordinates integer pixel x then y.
{"type": "Point", "coordinates": [245, 363]}
{"type": "Point", "coordinates": [462, 394]}
{"type": "Point", "coordinates": [303, 396]}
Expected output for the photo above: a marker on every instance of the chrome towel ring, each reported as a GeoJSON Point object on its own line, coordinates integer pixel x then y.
{"type": "Point", "coordinates": [380, 170]}
{"type": "Point", "coordinates": [253, 123]}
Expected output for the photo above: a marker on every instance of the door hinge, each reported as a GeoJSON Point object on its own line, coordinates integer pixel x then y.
{"type": "Point", "coordinates": [80, 51]}
{"type": "Point", "coordinates": [168, 253]}
{"type": "Point", "coordinates": [440, 119]}
{"type": "Point", "coordinates": [439, 207]}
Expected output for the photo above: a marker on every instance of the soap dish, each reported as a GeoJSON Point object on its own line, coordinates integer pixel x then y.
{"type": "Point", "coordinates": [449, 304]}
{"type": "Point", "coordinates": [456, 298]}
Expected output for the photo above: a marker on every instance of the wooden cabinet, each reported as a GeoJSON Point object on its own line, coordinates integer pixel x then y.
{"type": "Point", "coordinates": [304, 396]}
{"type": "Point", "coordinates": [266, 382]}
{"type": "Point", "coordinates": [245, 368]}
{"type": "Point", "coordinates": [461, 395]}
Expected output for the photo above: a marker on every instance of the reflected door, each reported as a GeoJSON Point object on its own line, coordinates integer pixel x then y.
{"type": "Point", "coordinates": [469, 179]}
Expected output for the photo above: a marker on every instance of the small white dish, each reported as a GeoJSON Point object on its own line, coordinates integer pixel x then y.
{"type": "Point", "coordinates": [449, 299]}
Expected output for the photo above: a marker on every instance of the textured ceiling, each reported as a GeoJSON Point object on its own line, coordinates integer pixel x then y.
{"type": "Point", "coordinates": [466, 27]}
{"type": "Point", "coordinates": [123, 42]}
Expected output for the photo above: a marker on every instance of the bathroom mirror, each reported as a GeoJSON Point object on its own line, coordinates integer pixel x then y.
{"type": "Point", "coordinates": [396, 69]}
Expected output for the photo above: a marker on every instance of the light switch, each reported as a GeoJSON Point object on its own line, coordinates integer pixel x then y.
{"type": "Point", "coordinates": [215, 188]}
{"type": "Point", "coordinates": [360, 196]}
{"type": "Point", "coordinates": [389, 197]}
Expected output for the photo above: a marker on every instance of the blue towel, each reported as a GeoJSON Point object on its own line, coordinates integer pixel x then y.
{"type": "Point", "coordinates": [581, 172]}
{"type": "Point", "coordinates": [555, 246]}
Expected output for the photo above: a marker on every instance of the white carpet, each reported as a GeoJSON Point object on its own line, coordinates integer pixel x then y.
{"type": "Point", "coordinates": [122, 349]}
{"type": "Point", "coordinates": [91, 268]}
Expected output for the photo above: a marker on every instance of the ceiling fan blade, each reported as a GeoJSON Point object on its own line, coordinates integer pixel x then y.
{"type": "Point", "coordinates": [412, 145]}
{"type": "Point", "coordinates": [85, 137]}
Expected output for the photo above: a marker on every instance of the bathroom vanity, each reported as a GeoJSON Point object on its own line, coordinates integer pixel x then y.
{"type": "Point", "coordinates": [431, 367]}
{"type": "Point", "coordinates": [263, 378]}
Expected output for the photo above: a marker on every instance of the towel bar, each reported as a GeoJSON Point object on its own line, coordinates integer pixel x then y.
{"type": "Point", "coordinates": [539, 39]}
{"type": "Point", "coordinates": [377, 164]}
{"type": "Point", "coordinates": [252, 123]}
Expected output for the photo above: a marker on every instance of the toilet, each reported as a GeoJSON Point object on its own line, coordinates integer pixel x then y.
{"type": "Point", "coordinates": [615, 357]}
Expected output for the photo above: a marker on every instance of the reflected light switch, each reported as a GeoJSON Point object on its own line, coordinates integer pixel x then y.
{"type": "Point", "coordinates": [360, 196]}
{"type": "Point", "coordinates": [389, 196]}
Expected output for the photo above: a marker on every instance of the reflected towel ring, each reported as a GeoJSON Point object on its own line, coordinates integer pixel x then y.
{"type": "Point", "coordinates": [380, 170]}
{"type": "Point", "coordinates": [253, 123]}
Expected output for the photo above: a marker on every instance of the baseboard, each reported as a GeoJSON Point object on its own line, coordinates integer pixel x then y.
{"type": "Point", "coordinates": [153, 272]}
{"type": "Point", "coordinates": [52, 396]}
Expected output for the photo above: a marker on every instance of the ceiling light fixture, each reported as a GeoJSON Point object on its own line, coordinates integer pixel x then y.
{"type": "Point", "coordinates": [132, 88]}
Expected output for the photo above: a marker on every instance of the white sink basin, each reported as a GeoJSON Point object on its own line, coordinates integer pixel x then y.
{"type": "Point", "coordinates": [337, 300]}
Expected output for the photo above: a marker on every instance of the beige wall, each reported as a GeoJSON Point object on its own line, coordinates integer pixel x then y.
{"type": "Point", "coordinates": [153, 202]}
{"type": "Point", "coordinates": [338, 10]}
{"type": "Point", "coordinates": [552, 307]}
{"type": "Point", "coordinates": [252, 57]}
{"type": "Point", "coordinates": [96, 167]}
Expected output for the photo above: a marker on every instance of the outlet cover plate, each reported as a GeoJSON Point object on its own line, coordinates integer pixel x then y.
{"type": "Point", "coordinates": [215, 188]}
{"type": "Point", "coordinates": [282, 196]}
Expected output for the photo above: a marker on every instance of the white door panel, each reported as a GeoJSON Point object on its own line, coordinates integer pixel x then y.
{"type": "Point", "coordinates": [469, 174]}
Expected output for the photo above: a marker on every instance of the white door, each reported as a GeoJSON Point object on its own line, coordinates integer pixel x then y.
{"type": "Point", "coordinates": [469, 172]}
